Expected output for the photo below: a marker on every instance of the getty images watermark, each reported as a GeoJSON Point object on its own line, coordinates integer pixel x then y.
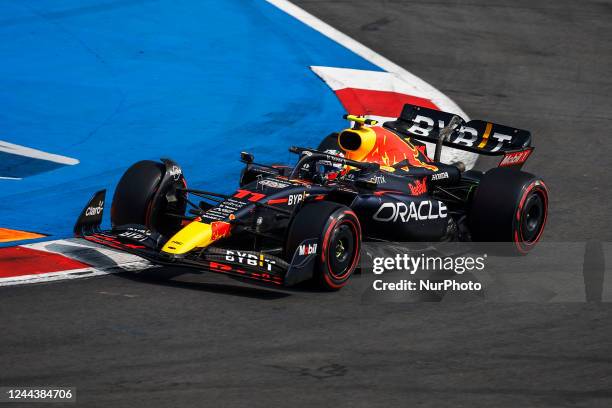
{"type": "Point", "coordinates": [435, 272]}
{"type": "Point", "coordinates": [426, 263]}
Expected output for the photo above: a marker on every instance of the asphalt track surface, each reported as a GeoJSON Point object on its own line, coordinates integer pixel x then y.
{"type": "Point", "coordinates": [540, 65]}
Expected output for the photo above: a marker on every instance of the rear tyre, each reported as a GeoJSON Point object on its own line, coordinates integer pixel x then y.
{"type": "Point", "coordinates": [509, 206]}
{"type": "Point", "coordinates": [145, 196]}
{"type": "Point", "coordinates": [339, 233]}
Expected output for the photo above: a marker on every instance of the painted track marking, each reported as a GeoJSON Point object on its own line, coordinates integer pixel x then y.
{"type": "Point", "coordinates": [79, 250]}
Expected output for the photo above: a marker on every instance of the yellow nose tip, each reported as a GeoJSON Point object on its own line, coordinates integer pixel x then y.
{"type": "Point", "coordinates": [194, 235]}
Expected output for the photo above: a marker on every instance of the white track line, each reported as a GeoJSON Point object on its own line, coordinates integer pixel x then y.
{"type": "Point", "coordinates": [437, 97]}
{"type": "Point", "coordinates": [35, 154]}
{"type": "Point", "coordinates": [52, 276]}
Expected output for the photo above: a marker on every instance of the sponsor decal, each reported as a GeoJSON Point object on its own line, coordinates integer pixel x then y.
{"type": "Point", "coordinates": [250, 259]}
{"type": "Point", "coordinates": [307, 249]}
{"type": "Point", "coordinates": [414, 211]}
{"type": "Point", "coordinates": [439, 176]}
{"type": "Point", "coordinates": [273, 183]}
{"type": "Point", "coordinates": [290, 200]}
{"type": "Point", "coordinates": [378, 179]}
{"type": "Point", "coordinates": [140, 231]}
{"type": "Point", "coordinates": [333, 152]}
{"type": "Point", "coordinates": [465, 135]}
{"type": "Point", "coordinates": [295, 199]}
{"type": "Point", "coordinates": [225, 210]}
{"type": "Point", "coordinates": [516, 158]}
{"type": "Point", "coordinates": [175, 172]}
{"type": "Point", "coordinates": [93, 211]}
{"type": "Point", "coordinates": [418, 187]}
{"type": "Point", "coordinates": [134, 236]}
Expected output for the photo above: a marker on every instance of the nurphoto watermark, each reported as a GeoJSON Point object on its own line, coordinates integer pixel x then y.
{"type": "Point", "coordinates": [553, 272]}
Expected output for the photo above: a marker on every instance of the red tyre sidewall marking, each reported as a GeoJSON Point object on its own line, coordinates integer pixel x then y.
{"type": "Point", "coordinates": [523, 246]}
{"type": "Point", "coordinates": [357, 230]}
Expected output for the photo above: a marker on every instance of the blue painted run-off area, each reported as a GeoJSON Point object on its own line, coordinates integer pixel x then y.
{"type": "Point", "coordinates": [113, 82]}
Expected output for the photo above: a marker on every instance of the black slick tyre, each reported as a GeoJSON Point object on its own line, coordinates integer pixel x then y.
{"type": "Point", "coordinates": [339, 241]}
{"type": "Point", "coordinates": [509, 206]}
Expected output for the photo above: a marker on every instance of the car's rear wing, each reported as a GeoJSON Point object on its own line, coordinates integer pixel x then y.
{"type": "Point", "coordinates": [475, 136]}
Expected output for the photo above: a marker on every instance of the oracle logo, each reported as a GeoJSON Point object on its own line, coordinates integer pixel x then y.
{"type": "Point", "coordinates": [421, 211]}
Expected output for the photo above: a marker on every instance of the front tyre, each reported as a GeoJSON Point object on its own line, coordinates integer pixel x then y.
{"type": "Point", "coordinates": [339, 241]}
{"type": "Point", "coordinates": [147, 195]}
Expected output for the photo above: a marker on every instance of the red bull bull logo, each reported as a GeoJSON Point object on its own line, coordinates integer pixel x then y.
{"type": "Point", "coordinates": [419, 187]}
{"type": "Point", "coordinates": [379, 145]}
{"type": "Point", "coordinates": [220, 229]}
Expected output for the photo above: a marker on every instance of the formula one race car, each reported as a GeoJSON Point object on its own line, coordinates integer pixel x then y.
{"type": "Point", "coordinates": [286, 225]}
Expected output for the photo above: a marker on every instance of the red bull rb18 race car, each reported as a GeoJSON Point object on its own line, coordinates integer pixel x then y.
{"type": "Point", "coordinates": [289, 224]}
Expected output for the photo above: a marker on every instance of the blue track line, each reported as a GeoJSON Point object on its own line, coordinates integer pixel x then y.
{"type": "Point", "coordinates": [113, 82]}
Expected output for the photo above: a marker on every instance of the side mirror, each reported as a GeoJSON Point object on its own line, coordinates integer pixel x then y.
{"type": "Point", "coordinates": [246, 157]}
